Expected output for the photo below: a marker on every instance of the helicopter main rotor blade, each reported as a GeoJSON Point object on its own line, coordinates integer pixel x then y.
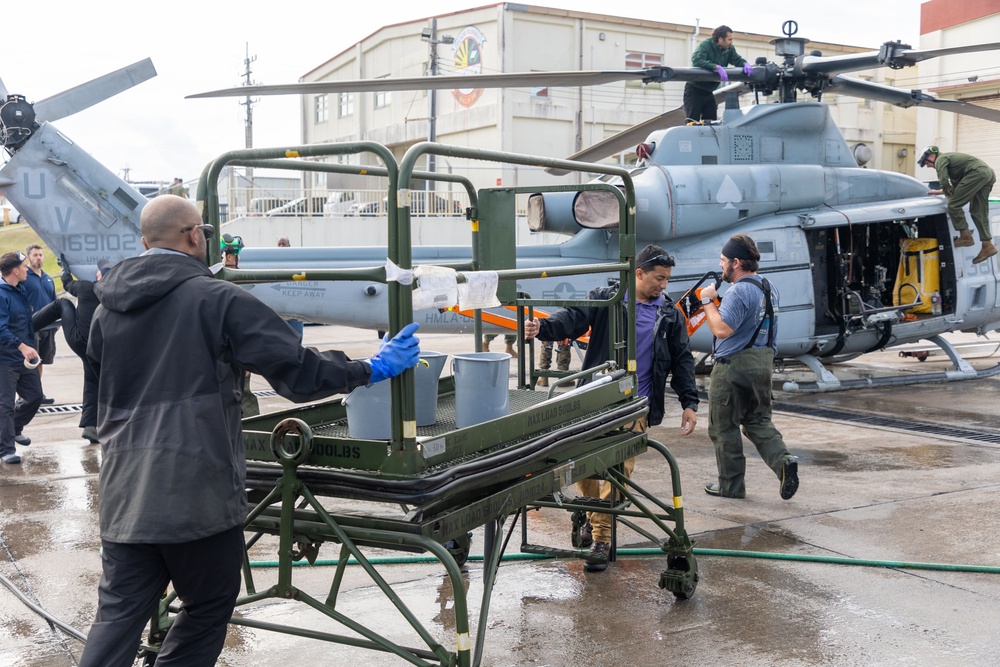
{"type": "Point", "coordinates": [625, 139]}
{"type": "Point", "coordinates": [636, 133]}
{"type": "Point", "coordinates": [90, 93]}
{"type": "Point", "coordinates": [892, 54]}
{"type": "Point", "coordinates": [571, 79]}
{"type": "Point", "coordinates": [843, 85]}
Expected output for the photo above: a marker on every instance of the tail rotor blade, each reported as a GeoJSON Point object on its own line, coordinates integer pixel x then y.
{"type": "Point", "coordinates": [88, 94]}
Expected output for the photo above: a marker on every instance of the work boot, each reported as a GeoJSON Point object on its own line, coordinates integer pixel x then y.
{"type": "Point", "coordinates": [790, 477]}
{"type": "Point", "coordinates": [90, 433]}
{"type": "Point", "coordinates": [597, 557]}
{"type": "Point", "coordinates": [542, 382]}
{"type": "Point", "coordinates": [987, 251]}
{"type": "Point", "coordinates": [586, 536]}
{"type": "Point", "coordinates": [513, 352]}
{"type": "Point", "coordinates": [964, 239]}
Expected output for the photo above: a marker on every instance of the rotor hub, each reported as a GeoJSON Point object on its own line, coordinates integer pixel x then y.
{"type": "Point", "coordinates": [17, 122]}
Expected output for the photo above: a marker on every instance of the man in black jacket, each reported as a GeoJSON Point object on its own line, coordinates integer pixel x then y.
{"type": "Point", "coordinates": [170, 342]}
{"type": "Point", "coordinates": [76, 328]}
{"type": "Point", "coordinates": [18, 358]}
{"type": "Point", "coordinates": [661, 348]}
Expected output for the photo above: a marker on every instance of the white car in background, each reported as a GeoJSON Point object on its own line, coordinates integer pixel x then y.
{"type": "Point", "coordinates": [9, 214]}
{"type": "Point", "coordinates": [300, 206]}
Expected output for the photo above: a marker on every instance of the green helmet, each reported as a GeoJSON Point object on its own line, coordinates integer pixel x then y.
{"type": "Point", "coordinates": [230, 244]}
{"type": "Point", "coordinates": [930, 150]}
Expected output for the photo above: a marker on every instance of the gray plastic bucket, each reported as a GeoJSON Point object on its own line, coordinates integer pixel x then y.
{"type": "Point", "coordinates": [480, 387]}
{"type": "Point", "coordinates": [369, 408]}
{"type": "Point", "coordinates": [425, 384]}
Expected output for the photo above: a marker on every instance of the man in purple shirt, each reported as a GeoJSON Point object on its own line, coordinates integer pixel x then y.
{"type": "Point", "coordinates": [661, 348]}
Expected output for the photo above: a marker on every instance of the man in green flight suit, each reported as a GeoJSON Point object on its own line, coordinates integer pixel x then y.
{"type": "Point", "coordinates": [713, 54]}
{"type": "Point", "coordinates": [964, 180]}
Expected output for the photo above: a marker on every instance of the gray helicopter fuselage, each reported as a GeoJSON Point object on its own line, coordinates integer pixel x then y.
{"type": "Point", "coordinates": [781, 173]}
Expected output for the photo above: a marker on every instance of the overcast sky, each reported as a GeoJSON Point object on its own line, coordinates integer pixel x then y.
{"type": "Point", "coordinates": [151, 129]}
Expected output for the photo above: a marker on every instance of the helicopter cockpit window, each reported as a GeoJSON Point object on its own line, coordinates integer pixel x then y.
{"type": "Point", "coordinates": [596, 209]}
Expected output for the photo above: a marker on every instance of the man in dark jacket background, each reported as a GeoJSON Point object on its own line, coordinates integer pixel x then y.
{"type": "Point", "coordinates": [41, 291]}
{"type": "Point", "coordinates": [170, 342]}
{"type": "Point", "coordinates": [661, 348]}
{"type": "Point", "coordinates": [76, 328]}
{"type": "Point", "coordinates": [18, 357]}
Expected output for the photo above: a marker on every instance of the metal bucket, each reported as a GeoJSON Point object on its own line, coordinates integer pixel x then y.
{"type": "Point", "coordinates": [480, 387]}
{"type": "Point", "coordinates": [369, 408]}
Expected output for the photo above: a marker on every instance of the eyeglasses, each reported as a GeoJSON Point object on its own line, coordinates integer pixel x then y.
{"type": "Point", "coordinates": [207, 230]}
{"type": "Point", "coordinates": [658, 260]}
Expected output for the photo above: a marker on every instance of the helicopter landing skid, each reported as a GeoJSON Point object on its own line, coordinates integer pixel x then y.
{"type": "Point", "coordinates": [827, 381]}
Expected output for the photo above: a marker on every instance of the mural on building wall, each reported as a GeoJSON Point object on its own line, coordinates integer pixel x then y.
{"type": "Point", "coordinates": [468, 60]}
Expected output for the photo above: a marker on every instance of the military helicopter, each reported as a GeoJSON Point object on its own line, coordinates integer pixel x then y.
{"type": "Point", "coordinates": [79, 207]}
{"type": "Point", "coordinates": [829, 232]}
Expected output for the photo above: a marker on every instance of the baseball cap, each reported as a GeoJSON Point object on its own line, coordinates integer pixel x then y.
{"type": "Point", "coordinates": [12, 260]}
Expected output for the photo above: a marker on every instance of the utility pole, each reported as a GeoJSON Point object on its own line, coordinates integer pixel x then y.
{"type": "Point", "coordinates": [430, 35]}
{"type": "Point", "coordinates": [248, 103]}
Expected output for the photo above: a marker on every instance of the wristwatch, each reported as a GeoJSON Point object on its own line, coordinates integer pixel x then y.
{"type": "Point", "coordinates": [706, 301]}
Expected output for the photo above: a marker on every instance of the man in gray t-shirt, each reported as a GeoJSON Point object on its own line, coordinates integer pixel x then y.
{"type": "Point", "coordinates": [744, 310]}
{"type": "Point", "coordinates": [745, 328]}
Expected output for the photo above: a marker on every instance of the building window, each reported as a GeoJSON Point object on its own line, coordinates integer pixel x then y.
{"type": "Point", "coordinates": [320, 109]}
{"type": "Point", "coordinates": [382, 99]}
{"type": "Point", "coordinates": [637, 60]}
{"type": "Point", "coordinates": [346, 104]}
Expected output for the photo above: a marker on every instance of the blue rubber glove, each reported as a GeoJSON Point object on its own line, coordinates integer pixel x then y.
{"type": "Point", "coordinates": [396, 355]}
{"type": "Point", "coordinates": [747, 69]}
{"type": "Point", "coordinates": [722, 73]}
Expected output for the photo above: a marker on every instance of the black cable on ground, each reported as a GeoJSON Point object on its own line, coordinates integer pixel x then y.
{"type": "Point", "coordinates": [55, 622]}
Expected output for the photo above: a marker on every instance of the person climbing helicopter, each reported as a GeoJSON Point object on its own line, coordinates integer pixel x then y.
{"type": "Point", "coordinates": [964, 180]}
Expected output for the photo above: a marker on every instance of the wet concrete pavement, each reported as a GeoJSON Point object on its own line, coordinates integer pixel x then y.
{"type": "Point", "coordinates": [869, 492]}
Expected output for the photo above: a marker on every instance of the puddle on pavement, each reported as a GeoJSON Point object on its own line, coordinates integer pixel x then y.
{"type": "Point", "coordinates": [770, 538]}
{"type": "Point", "coordinates": [911, 457]}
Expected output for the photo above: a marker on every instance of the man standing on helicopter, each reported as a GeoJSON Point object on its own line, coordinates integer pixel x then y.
{"type": "Point", "coordinates": [964, 180]}
{"type": "Point", "coordinates": [713, 54]}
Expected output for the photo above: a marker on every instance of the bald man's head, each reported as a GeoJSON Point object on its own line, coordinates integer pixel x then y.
{"type": "Point", "coordinates": [172, 222]}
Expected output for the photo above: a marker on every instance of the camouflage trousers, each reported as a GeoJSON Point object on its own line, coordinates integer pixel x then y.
{"type": "Point", "coordinates": [563, 356]}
